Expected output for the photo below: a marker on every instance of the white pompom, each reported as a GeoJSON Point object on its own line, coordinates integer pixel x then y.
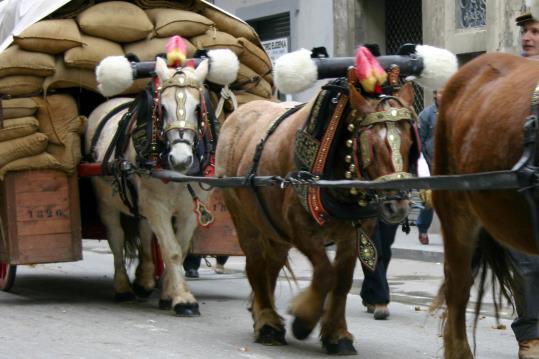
{"type": "Point", "coordinates": [295, 72]}
{"type": "Point", "coordinates": [114, 75]}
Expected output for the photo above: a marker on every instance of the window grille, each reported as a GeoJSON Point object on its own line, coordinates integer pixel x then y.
{"type": "Point", "coordinates": [404, 25]}
{"type": "Point", "coordinates": [272, 27]}
{"type": "Point", "coordinates": [471, 13]}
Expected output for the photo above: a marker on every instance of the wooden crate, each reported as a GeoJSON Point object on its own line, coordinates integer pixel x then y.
{"type": "Point", "coordinates": [40, 216]}
{"type": "Point", "coordinates": [220, 238]}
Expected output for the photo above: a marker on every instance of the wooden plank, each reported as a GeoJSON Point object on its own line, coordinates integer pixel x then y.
{"type": "Point", "coordinates": [40, 227]}
{"type": "Point", "coordinates": [43, 217]}
{"type": "Point", "coordinates": [220, 238]}
{"type": "Point", "coordinates": [49, 248]}
{"type": "Point", "coordinates": [40, 181]}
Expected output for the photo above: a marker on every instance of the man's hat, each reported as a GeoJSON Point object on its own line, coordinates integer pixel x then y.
{"type": "Point", "coordinates": [532, 14]}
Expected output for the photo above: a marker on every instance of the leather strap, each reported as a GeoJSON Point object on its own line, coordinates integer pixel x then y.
{"type": "Point", "coordinates": [313, 198]}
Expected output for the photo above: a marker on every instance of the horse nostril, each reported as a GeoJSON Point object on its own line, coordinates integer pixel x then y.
{"type": "Point", "coordinates": [171, 160]}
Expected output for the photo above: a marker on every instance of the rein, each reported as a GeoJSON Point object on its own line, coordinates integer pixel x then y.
{"type": "Point", "coordinates": [249, 177]}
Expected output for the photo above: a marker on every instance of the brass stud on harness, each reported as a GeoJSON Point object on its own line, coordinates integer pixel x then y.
{"type": "Point", "coordinates": [348, 175]}
{"type": "Point", "coordinates": [349, 143]}
{"type": "Point", "coordinates": [348, 159]}
{"type": "Point", "coordinates": [351, 127]}
{"type": "Point", "coordinates": [352, 168]}
{"type": "Point", "coordinates": [363, 203]}
{"type": "Point", "coordinates": [354, 191]}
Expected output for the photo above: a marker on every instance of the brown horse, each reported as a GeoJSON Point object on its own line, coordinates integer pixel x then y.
{"type": "Point", "coordinates": [266, 235]}
{"type": "Point", "coordinates": [480, 128]}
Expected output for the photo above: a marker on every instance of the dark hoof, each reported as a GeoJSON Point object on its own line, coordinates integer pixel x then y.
{"type": "Point", "coordinates": [342, 347]}
{"type": "Point", "coordinates": [300, 329]}
{"type": "Point", "coordinates": [187, 310]}
{"type": "Point", "coordinates": [141, 292]}
{"type": "Point", "coordinates": [268, 335]}
{"type": "Point", "coordinates": [124, 297]}
{"type": "Point", "coordinates": [165, 304]}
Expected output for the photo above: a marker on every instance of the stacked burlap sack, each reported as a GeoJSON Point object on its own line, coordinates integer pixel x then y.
{"type": "Point", "coordinates": [39, 133]}
{"type": "Point", "coordinates": [59, 53]}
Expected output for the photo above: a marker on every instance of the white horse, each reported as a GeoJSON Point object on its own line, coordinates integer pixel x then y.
{"type": "Point", "coordinates": [165, 209]}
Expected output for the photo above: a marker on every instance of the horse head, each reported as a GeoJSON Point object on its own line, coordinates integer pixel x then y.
{"type": "Point", "coordinates": [180, 93]}
{"type": "Point", "coordinates": [384, 145]}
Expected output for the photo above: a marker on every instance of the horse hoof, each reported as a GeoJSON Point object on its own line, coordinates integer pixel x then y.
{"type": "Point", "coordinates": [342, 347]}
{"type": "Point", "coordinates": [165, 304]}
{"type": "Point", "coordinates": [124, 297]}
{"type": "Point", "coordinates": [268, 335]}
{"type": "Point", "coordinates": [142, 292]}
{"type": "Point", "coordinates": [300, 329]}
{"type": "Point", "coordinates": [187, 310]}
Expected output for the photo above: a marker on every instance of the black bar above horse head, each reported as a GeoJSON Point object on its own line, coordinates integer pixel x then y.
{"type": "Point", "coordinates": [410, 65]}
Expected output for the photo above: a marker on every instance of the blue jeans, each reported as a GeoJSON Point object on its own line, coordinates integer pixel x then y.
{"type": "Point", "coordinates": [375, 289]}
{"type": "Point", "coordinates": [526, 326]}
{"type": "Point", "coordinates": [424, 220]}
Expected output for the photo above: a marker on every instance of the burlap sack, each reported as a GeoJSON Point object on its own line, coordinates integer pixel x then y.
{"type": "Point", "coordinates": [137, 86]}
{"type": "Point", "coordinates": [190, 5]}
{"type": "Point", "coordinates": [231, 25]}
{"type": "Point", "coordinates": [269, 78]}
{"type": "Point", "coordinates": [50, 36]}
{"type": "Point", "coordinates": [117, 21]}
{"type": "Point", "coordinates": [214, 39]}
{"type": "Point", "coordinates": [67, 155]}
{"type": "Point", "coordinates": [252, 82]}
{"type": "Point", "coordinates": [170, 22]}
{"type": "Point", "coordinates": [146, 50]}
{"type": "Point", "coordinates": [91, 53]}
{"type": "Point", "coordinates": [56, 113]}
{"type": "Point", "coordinates": [21, 85]}
{"type": "Point", "coordinates": [254, 57]}
{"type": "Point", "coordinates": [37, 162]}
{"type": "Point", "coordinates": [66, 77]}
{"type": "Point", "coordinates": [22, 147]}
{"type": "Point", "coordinates": [15, 61]}
{"type": "Point", "coordinates": [18, 107]}
{"type": "Point", "coordinates": [18, 127]}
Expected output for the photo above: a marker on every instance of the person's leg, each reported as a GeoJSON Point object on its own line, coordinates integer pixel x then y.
{"type": "Point", "coordinates": [526, 325]}
{"type": "Point", "coordinates": [220, 264]}
{"type": "Point", "coordinates": [191, 265]}
{"type": "Point", "coordinates": [423, 223]}
{"type": "Point", "coordinates": [375, 289]}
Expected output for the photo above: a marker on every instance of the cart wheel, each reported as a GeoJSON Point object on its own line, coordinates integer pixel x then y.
{"type": "Point", "coordinates": [7, 276]}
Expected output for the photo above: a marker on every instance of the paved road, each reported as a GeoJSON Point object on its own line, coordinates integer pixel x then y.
{"type": "Point", "coordinates": [66, 310]}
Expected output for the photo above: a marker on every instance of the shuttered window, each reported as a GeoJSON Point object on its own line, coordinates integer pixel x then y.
{"type": "Point", "coordinates": [272, 27]}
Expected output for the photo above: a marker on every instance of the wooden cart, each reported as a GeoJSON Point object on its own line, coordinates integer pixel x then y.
{"type": "Point", "coordinates": [42, 221]}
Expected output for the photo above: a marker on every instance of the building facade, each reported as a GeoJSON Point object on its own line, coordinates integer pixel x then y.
{"type": "Point", "coordinates": [465, 27]}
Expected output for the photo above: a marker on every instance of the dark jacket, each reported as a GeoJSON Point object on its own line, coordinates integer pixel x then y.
{"type": "Point", "coordinates": [427, 123]}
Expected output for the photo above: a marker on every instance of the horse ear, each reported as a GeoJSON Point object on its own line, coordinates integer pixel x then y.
{"type": "Point", "coordinates": [202, 70]}
{"type": "Point", "coordinates": [161, 69]}
{"type": "Point", "coordinates": [406, 94]}
{"type": "Point", "coordinates": [357, 101]}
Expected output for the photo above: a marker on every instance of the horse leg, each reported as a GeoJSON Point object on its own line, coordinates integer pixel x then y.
{"type": "Point", "coordinates": [459, 234]}
{"type": "Point", "coordinates": [111, 219]}
{"type": "Point", "coordinates": [334, 333]}
{"type": "Point", "coordinates": [174, 293]}
{"type": "Point", "coordinates": [263, 270]}
{"type": "Point", "coordinates": [144, 278]}
{"type": "Point", "coordinates": [307, 307]}
{"type": "Point", "coordinates": [264, 260]}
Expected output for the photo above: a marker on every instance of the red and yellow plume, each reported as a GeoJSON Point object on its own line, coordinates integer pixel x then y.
{"type": "Point", "coordinates": [369, 72]}
{"type": "Point", "coordinates": [176, 51]}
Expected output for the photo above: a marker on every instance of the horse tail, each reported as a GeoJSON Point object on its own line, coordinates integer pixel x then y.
{"type": "Point", "coordinates": [132, 238]}
{"type": "Point", "coordinates": [493, 263]}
